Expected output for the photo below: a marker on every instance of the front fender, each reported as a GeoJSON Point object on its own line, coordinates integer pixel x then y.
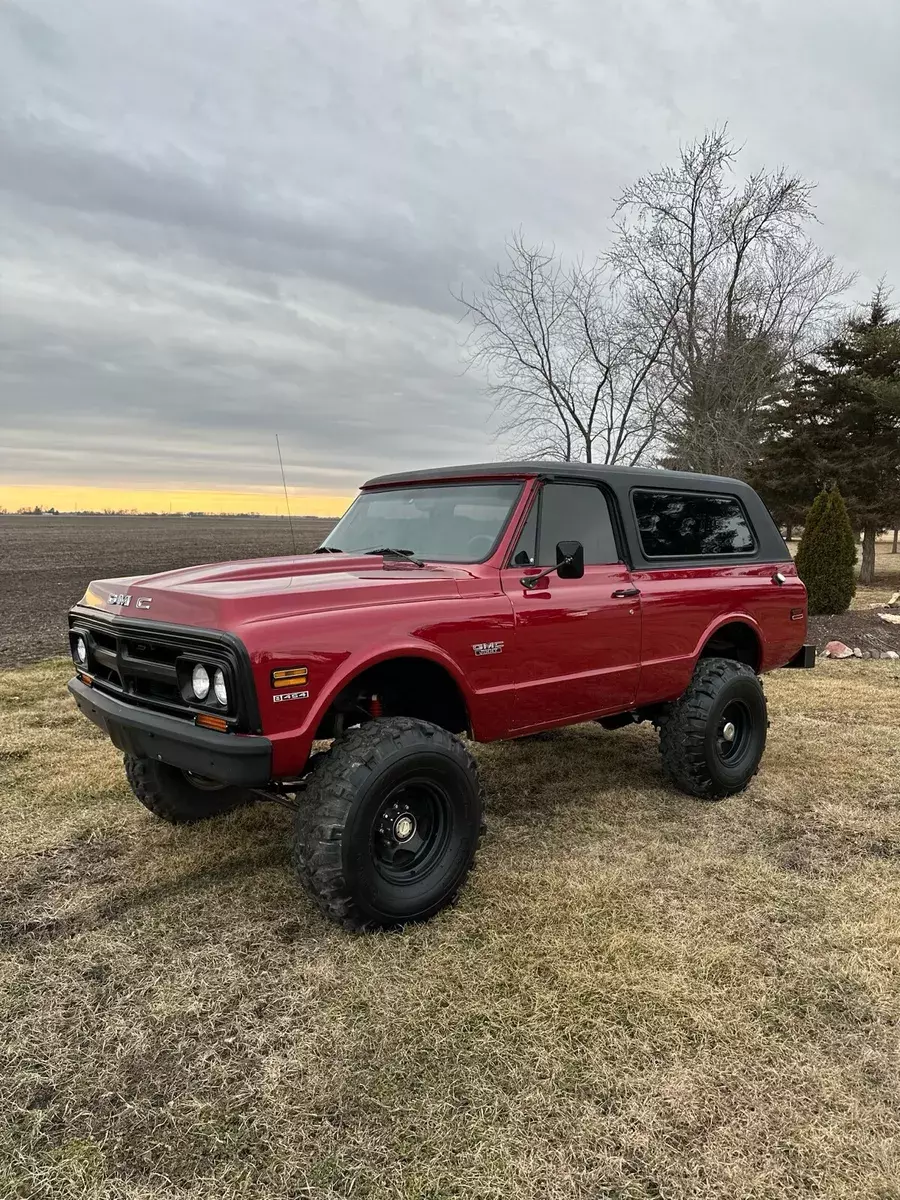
{"type": "Point", "coordinates": [291, 747]}
{"type": "Point", "coordinates": [356, 664]}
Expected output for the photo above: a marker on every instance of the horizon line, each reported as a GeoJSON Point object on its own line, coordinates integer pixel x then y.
{"type": "Point", "coordinates": [97, 498]}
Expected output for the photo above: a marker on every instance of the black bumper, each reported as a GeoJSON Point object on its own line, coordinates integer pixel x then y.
{"type": "Point", "coordinates": [804, 659]}
{"type": "Point", "coordinates": [226, 757]}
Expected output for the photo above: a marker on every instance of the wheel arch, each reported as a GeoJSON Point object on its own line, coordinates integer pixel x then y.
{"type": "Point", "coordinates": [410, 680]}
{"type": "Point", "coordinates": [735, 636]}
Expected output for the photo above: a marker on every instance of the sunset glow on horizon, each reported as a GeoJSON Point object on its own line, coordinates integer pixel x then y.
{"type": "Point", "coordinates": [74, 498]}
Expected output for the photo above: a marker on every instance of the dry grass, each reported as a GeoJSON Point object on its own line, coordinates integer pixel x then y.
{"type": "Point", "coordinates": [639, 996]}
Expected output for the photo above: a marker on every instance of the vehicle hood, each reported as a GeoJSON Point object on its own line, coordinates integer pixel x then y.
{"type": "Point", "coordinates": [226, 595]}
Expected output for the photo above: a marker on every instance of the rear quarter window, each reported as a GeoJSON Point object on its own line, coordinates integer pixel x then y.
{"type": "Point", "coordinates": [691, 525]}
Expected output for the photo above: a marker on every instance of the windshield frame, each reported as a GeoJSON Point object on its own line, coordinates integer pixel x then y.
{"type": "Point", "coordinates": [515, 481]}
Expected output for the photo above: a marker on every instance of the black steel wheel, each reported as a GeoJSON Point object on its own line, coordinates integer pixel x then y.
{"type": "Point", "coordinates": [413, 830]}
{"type": "Point", "coordinates": [713, 737]}
{"type": "Point", "coordinates": [389, 824]}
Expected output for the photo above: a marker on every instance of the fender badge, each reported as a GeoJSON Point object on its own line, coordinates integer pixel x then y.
{"type": "Point", "coordinates": [280, 699]}
{"type": "Point", "coordinates": [488, 648]}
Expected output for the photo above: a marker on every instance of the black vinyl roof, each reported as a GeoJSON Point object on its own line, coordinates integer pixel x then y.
{"type": "Point", "coordinates": [627, 476]}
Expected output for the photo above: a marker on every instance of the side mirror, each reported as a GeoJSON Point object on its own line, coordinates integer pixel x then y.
{"type": "Point", "coordinates": [569, 565]}
{"type": "Point", "coordinates": [569, 560]}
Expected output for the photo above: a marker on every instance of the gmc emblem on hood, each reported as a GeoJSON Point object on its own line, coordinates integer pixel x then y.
{"type": "Point", "coordinates": [124, 600]}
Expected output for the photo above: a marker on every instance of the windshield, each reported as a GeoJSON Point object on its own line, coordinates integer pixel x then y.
{"type": "Point", "coordinates": [449, 523]}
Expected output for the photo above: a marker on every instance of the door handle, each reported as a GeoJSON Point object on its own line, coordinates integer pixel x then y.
{"type": "Point", "coordinates": [625, 593]}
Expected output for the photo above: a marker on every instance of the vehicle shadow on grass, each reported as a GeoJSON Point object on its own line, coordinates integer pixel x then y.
{"type": "Point", "coordinates": [580, 766]}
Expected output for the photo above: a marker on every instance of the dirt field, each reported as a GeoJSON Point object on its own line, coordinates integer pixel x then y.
{"type": "Point", "coordinates": [639, 996]}
{"type": "Point", "coordinates": [45, 563]}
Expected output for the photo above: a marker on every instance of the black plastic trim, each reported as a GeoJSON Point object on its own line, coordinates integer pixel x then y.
{"type": "Point", "coordinates": [804, 659]}
{"type": "Point", "coordinates": [242, 761]}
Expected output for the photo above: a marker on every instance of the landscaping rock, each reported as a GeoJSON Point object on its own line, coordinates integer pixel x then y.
{"type": "Point", "coordinates": [890, 654]}
{"type": "Point", "coordinates": [857, 653]}
{"type": "Point", "coordinates": [891, 618]}
{"type": "Point", "coordinates": [838, 650]}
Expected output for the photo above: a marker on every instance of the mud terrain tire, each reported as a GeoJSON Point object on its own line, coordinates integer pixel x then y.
{"type": "Point", "coordinates": [712, 738]}
{"type": "Point", "coordinates": [390, 824]}
{"type": "Point", "coordinates": [170, 794]}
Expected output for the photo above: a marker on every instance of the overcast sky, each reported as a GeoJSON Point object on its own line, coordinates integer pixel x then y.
{"type": "Point", "coordinates": [223, 219]}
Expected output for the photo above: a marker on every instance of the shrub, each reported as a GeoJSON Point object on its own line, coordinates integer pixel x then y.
{"type": "Point", "coordinates": [826, 555]}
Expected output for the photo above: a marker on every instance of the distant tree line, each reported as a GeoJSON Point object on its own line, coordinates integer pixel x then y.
{"type": "Point", "coordinates": [710, 336]}
{"type": "Point", "coordinates": [38, 510]}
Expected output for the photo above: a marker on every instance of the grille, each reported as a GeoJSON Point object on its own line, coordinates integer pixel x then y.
{"type": "Point", "coordinates": [140, 664]}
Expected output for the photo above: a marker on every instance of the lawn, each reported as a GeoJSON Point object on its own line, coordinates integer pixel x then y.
{"type": "Point", "coordinates": [638, 996]}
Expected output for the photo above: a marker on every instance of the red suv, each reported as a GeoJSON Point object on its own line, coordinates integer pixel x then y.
{"type": "Point", "coordinates": [476, 602]}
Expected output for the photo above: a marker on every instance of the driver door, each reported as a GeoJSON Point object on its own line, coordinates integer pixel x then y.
{"type": "Point", "coordinates": [577, 641]}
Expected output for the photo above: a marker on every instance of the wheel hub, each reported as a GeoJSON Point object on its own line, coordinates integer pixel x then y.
{"type": "Point", "coordinates": [404, 827]}
{"type": "Point", "coordinates": [728, 731]}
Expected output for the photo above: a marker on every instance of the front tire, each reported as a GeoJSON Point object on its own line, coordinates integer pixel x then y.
{"type": "Point", "coordinates": [713, 737]}
{"type": "Point", "coordinates": [389, 825]}
{"type": "Point", "coordinates": [177, 796]}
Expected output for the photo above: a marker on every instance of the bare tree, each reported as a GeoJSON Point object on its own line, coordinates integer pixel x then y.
{"type": "Point", "coordinates": [573, 367]}
{"type": "Point", "coordinates": [730, 276]}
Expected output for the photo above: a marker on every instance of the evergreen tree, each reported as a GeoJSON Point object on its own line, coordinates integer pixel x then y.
{"type": "Point", "coordinates": [840, 424]}
{"type": "Point", "coordinates": [826, 556]}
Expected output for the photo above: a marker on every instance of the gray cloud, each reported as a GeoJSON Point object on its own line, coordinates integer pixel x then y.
{"type": "Point", "coordinates": [219, 220]}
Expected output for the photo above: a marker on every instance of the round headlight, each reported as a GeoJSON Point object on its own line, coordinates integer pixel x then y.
{"type": "Point", "coordinates": [200, 681]}
{"type": "Point", "coordinates": [80, 650]}
{"type": "Point", "coordinates": [219, 688]}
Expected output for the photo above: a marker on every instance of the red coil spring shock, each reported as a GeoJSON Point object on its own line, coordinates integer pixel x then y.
{"type": "Point", "coordinates": [375, 709]}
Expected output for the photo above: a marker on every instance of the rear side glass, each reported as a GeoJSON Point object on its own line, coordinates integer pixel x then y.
{"type": "Point", "coordinates": [691, 525]}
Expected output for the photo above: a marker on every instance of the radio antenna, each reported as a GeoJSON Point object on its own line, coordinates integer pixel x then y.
{"type": "Point", "coordinates": [286, 501]}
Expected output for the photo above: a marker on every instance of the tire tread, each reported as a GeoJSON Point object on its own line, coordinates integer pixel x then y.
{"type": "Point", "coordinates": [683, 725]}
{"type": "Point", "coordinates": [332, 787]}
{"type": "Point", "coordinates": [147, 781]}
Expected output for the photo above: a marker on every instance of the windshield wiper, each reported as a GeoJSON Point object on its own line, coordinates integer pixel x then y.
{"type": "Point", "coordinates": [327, 550]}
{"type": "Point", "coordinates": [393, 552]}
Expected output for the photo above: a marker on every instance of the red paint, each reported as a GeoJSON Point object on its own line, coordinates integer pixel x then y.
{"type": "Point", "coordinates": [571, 650]}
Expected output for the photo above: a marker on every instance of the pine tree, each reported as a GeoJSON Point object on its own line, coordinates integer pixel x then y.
{"type": "Point", "coordinates": [826, 556]}
{"type": "Point", "coordinates": [840, 424]}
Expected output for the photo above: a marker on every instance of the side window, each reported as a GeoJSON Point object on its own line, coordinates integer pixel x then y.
{"type": "Point", "coordinates": [575, 512]}
{"type": "Point", "coordinates": [691, 525]}
{"type": "Point", "coordinates": [526, 547]}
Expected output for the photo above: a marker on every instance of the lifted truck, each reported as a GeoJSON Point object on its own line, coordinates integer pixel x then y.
{"type": "Point", "coordinates": [487, 602]}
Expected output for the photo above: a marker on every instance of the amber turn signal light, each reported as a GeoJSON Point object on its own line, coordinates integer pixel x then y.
{"type": "Point", "coordinates": [88, 679]}
{"type": "Point", "coordinates": [210, 722]}
{"type": "Point", "coordinates": [289, 677]}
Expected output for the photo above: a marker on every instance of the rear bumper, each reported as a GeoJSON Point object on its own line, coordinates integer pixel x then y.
{"type": "Point", "coordinates": [804, 659]}
{"type": "Point", "coordinates": [242, 761]}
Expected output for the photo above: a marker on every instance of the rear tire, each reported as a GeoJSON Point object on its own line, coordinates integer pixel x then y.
{"type": "Point", "coordinates": [176, 796]}
{"type": "Point", "coordinates": [713, 737]}
{"type": "Point", "coordinates": [389, 825]}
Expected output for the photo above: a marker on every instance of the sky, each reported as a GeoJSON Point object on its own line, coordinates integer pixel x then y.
{"type": "Point", "coordinates": [222, 220]}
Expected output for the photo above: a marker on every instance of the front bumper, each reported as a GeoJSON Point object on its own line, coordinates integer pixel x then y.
{"type": "Point", "coordinates": [242, 761]}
